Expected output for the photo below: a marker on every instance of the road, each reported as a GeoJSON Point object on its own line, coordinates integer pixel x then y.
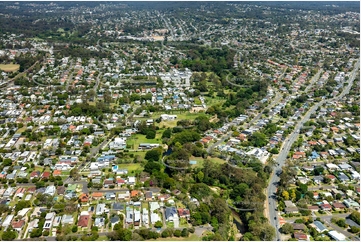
{"type": "Point", "coordinates": [281, 159]}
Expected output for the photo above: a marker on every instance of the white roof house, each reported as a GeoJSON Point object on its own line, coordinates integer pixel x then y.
{"type": "Point", "coordinates": [7, 221]}
{"type": "Point", "coordinates": [337, 236]}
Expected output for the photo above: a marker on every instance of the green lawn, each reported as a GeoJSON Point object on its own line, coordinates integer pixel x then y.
{"type": "Point", "coordinates": [197, 101]}
{"type": "Point", "coordinates": [133, 167]}
{"type": "Point", "coordinates": [145, 205]}
{"type": "Point", "coordinates": [183, 222]}
{"type": "Point", "coordinates": [200, 160]}
{"type": "Point", "coordinates": [137, 139]}
{"type": "Point", "coordinates": [170, 224]}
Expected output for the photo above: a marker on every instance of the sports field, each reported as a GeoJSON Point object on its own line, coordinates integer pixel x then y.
{"type": "Point", "coordinates": [9, 67]}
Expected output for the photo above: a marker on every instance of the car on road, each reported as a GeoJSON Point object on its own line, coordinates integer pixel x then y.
{"type": "Point", "coordinates": [275, 218]}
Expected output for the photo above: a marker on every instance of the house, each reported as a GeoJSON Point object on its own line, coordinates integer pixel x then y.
{"type": "Point", "coordinates": [338, 206]}
{"type": "Point", "coordinates": [297, 226]}
{"type": "Point", "coordinates": [351, 204]}
{"type": "Point", "coordinates": [18, 225]}
{"type": "Point", "coordinates": [171, 214]}
{"type": "Point", "coordinates": [148, 196]}
{"type": "Point", "coordinates": [120, 181]}
{"type": "Point", "coordinates": [319, 226]}
{"type": "Point", "coordinates": [129, 216]}
{"type": "Point", "coordinates": [313, 208]}
{"type": "Point", "coordinates": [108, 183]}
{"type": "Point", "coordinates": [118, 206]}
{"type": "Point", "coordinates": [83, 220]}
{"type": "Point", "coordinates": [183, 213]}
{"type": "Point", "coordinates": [7, 221]}
{"type": "Point", "coordinates": [46, 175]}
{"type": "Point", "coordinates": [124, 196]}
{"type": "Point", "coordinates": [153, 206]}
{"type": "Point", "coordinates": [332, 167]}
{"type": "Point", "coordinates": [33, 224]}
{"type": "Point", "coordinates": [131, 180]}
{"type": "Point", "coordinates": [337, 236]}
{"type": "Point", "coordinates": [97, 195]}
{"type": "Point", "coordinates": [60, 190]}
{"type": "Point", "coordinates": [136, 218]}
{"type": "Point", "coordinates": [300, 236]}
{"type": "Point", "coordinates": [23, 212]}
{"type": "Point", "coordinates": [325, 206]}
{"type": "Point", "coordinates": [145, 216]}
{"type": "Point", "coordinates": [299, 155]}
{"type": "Point", "coordinates": [345, 167]}
{"type": "Point", "coordinates": [318, 179]}
{"type": "Point", "coordinates": [84, 198]}
{"type": "Point", "coordinates": [67, 219]}
{"type": "Point", "coordinates": [99, 222]}
{"type": "Point", "coordinates": [34, 174]}
{"type": "Point", "coordinates": [110, 196]}
{"type": "Point", "coordinates": [50, 190]}
{"type": "Point", "coordinates": [56, 221]}
{"type": "Point", "coordinates": [342, 177]}
{"type": "Point", "coordinates": [135, 193]}
{"type": "Point", "coordinates": [114, 220]}
{"type": "Point", "coordinates": [100, 209]}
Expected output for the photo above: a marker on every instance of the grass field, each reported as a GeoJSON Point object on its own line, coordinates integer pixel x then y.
{"type": "Point", "coordinates": [137, 139]}
{"type": "Point", "coordinates": [200, 160]}
{"type": "Point", "coordinates": [9, 67]}
{"type": "Point", "coordinates": [131, 167]}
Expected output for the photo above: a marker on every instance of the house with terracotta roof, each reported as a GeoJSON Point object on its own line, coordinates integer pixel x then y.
{"type": "Point", "coordinates": [97, 195]}
{"type": "Point", "coordinates": [298, 155]}
{"type": "Point", "coordinates": [183, 213]}
{"type": "Point", "coordinates": [326, 207]}
{"type": "Point", "coordinates": [56, 173]}
{"type": "Point", "coordinates": [46, 174]}
{"type": "Point", "coordinates": [300, 236]}
{"type": "Point", "coordinates": [84, 198]}
{"type": "Point", "coordinates": [83, 220]}
{"type": "Point", "coordinates": [135, 193]}
{"type": "Point", "coordinates": [120, 181]}
{"type": "Point", "coordinates": [34, 174]}
{"type": "Point", "coordinates": [334, 129]}
{"type": "Point", "coordinates": [18, 225]}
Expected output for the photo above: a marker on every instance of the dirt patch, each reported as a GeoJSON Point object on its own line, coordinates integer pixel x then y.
{"type": "Point", "coordinates": [9, 67]}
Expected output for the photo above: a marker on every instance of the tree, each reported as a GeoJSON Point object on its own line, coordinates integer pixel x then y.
{"type": "Point", "coordinates": [177, 233]}
{"type": "Point", "coordinates": [167, 133]}
{"type": "Point", "coordinates": [8, 235]}
{"type": "Point", "coordinates": [152, 166]}
{"type": "Point", "coordinates": [121, 234]}
{"type": "Point", "coordinates": [355, 216]}
{"type": "Point", "coordinates": [200, 176]}
{"type": "Point", "coordinates": [354, 229]}
{"type": "Point", "coordinates": [165, 233]}
{"type": "Point", "coordinates": [287, 228]}
{"type": "Point", "coordinates": [185, 232]}
{"type": "Point", "coordinates": [158, 224]}
{"type": "Point", "coordinates": [285, 195]}
{"type": "Point", "coordinates": [151, 134]}
{"type": "Point", "coordinates": [258, 139]}
{"type": "Point", "coordinates": [74, 173]}
{"type": "Point", "coordinates": [341, 223]}
{"type": "Point", "coordinates": [153, 155]}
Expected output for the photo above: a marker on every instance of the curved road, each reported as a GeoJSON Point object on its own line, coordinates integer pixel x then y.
{"type": "Point", "coordinates": [281, 159]}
